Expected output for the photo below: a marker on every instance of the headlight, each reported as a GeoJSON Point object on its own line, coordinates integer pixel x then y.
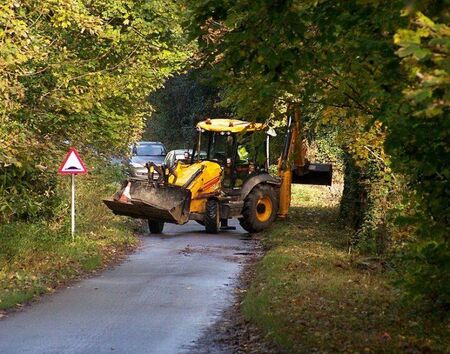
{"type": "Point", "coordinates": [136, 165]}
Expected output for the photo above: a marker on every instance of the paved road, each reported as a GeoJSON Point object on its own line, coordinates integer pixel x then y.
{"type": "Point", "coordinates": [159, 300]}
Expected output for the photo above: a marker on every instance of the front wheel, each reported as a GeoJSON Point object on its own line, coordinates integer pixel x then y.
{"type": "Point", "coordinates": [156, 227]}
{"type": "Point", "coordinates": [260, 208]}
{"type": "Point", "coordinates": [212, 218]}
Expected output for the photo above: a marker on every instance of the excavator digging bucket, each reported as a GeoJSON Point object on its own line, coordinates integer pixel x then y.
{"type": "Point", "coordinates": [314, 173]}
{"type": "Point", "coordinates": [144, 200]}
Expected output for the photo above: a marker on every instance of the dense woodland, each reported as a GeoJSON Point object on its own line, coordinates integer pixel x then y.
{"type": "Point", "coordinates": [371, 77]}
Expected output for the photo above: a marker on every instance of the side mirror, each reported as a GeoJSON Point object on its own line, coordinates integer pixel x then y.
{"type": "Point", "coordinates": [271, 132]}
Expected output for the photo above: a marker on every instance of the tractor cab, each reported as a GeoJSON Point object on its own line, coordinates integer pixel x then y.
{"type": "Point", "coordinates": [239, 147]}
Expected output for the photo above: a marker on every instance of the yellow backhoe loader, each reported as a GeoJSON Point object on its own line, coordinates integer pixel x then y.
{"type": "Point", "coordinates": [227, 177]}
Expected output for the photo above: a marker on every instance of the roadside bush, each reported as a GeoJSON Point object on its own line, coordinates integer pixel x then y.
{"type": "Point", "coordinates": [27, 184]}
{"type": "Point", "coordinates": [365, 205]}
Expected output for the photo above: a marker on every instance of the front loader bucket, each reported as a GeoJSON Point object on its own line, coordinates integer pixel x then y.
{"type": "Point", "coordinates": [159, 203]}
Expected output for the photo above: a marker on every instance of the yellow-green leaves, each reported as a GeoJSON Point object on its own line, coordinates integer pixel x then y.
{"type": "Point", "coordinates": [424, 50]}
{"type": "Point", "coordinates": [80, 71]}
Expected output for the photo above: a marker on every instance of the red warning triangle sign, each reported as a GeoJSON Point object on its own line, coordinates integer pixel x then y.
{"type": "Point", "coordinates": [72, 164]}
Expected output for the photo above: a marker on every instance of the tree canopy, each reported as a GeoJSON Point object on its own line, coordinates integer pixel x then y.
{"type": "Point", "coordinates": [185, 100]}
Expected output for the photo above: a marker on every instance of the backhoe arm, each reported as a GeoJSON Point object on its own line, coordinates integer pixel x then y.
{"type": "Point", "coordinates": [285, 165]}
{"type": "Point", "coordinates": [293, 167]}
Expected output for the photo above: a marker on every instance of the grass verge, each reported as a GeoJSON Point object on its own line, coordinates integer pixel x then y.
{"type": "Point", "coordinates": [310, 295]}
{"type": "Point", "coordinates": [36, 258]}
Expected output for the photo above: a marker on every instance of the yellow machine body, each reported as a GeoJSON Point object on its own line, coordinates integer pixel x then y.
{"type": "Point", "coordinates": [229, 125]}
{"type": "Point", "coordinates": [206, 185]}
{"type": "Point", "coordinates": [293, 152]}
{"type": "Point", "coordinates": [285, 193]}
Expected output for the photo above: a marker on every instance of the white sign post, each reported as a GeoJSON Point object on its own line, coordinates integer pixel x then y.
{"type": "Point", "coordinates": [73, 207]}
{"type": "Point", "coordinates": [72, 165]}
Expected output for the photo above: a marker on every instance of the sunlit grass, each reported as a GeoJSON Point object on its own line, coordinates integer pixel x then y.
{"type": "Point", "coordinates": [310, 295]}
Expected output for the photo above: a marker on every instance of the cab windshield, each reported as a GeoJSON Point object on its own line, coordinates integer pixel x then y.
{"type": "Point", "coordinates": [215, 147]}
{"type": "Point", "coordinates": [223, 147]}
{"type": "Point", "coordinates": [240, 155]}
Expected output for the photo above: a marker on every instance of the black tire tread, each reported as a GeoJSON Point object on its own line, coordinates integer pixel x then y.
{"type": "Point", "coordinates": [249, 221]}
{"type": "Point", "coordinates": [211, 221]}
{"type": "Point", "coordinates": [155, 227]}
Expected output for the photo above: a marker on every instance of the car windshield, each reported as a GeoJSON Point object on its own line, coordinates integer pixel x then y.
{"type": "Point", "coordinates": [148, 150]}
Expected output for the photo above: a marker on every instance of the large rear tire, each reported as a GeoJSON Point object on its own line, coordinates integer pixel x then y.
{"type": "Point", "coordinates": [212, 217]}
{"type": "Point", "coordinates": [260, 208]}
{"type": "Point", "coordinates": [155, 227]}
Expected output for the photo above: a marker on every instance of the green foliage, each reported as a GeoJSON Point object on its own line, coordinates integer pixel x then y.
{"type": "Point", "coordinates": [420, 146]}
{"type": "Point", "coordinates": [367, 196]}
{"type": "Point", "coordinates": [264, 50]}
{"type": "Point", "coordinates": [325, 145]}
{"type": "Point", "coordinates": [27, 188]}
{"type": "Point", "coordinates": [77, 72]}
{"type": "Point", "coordinates": [427, 279]}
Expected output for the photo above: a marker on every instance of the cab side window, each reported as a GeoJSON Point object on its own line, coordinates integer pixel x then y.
{"type": "Point", "coordinates": [251, 149]}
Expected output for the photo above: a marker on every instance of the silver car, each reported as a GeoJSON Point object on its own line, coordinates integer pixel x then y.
{"type": "Point", "coordinates": [177, 155]}
{"type": "Point", "coordinates": [183, 155]}
{"type": "Point", "coordinates": [143, 152]}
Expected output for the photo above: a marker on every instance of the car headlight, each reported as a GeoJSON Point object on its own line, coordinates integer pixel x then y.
{"type": "Point", "coordinates": [136, 165]}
